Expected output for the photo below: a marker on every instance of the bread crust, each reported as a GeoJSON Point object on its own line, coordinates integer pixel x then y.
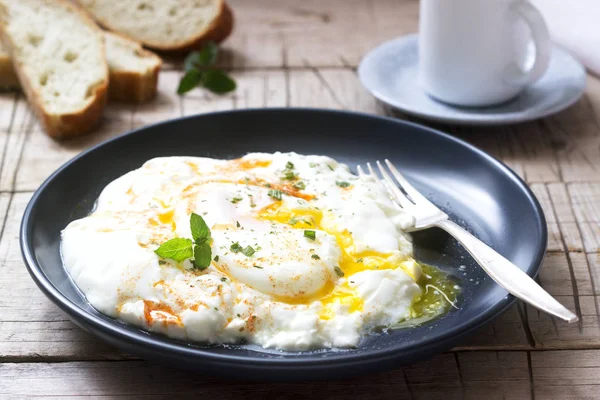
{"type": "Point", "coordinates": [61, 126]}
{"type": "Point", "coordinates": [131, 86]}
{"type": "Point", "coordinates": [126, 86]}
{"type": "Point", "coordinates": [8, 76]}
{"type": "Point", "coordinates": [220, 28]}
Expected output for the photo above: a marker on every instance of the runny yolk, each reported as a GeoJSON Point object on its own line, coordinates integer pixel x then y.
{"type": "Point", "coordinates": [350, 262]}
{"type": "Point", "coordinates": [166, 218]}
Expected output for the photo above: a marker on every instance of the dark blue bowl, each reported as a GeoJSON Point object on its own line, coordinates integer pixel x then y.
{"type": "Point", "coordinates": [476, 190]}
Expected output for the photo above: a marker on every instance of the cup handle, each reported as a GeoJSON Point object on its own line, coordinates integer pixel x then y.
{"type": "Point", "coordinates": [543, 46]}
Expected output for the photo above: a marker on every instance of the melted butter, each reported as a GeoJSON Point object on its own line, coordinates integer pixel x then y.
{"type": "Point", "coordinates": [437, 288]}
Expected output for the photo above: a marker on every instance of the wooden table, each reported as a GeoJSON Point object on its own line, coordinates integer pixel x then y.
{"type": "Point", "coordinates": [293, 53]}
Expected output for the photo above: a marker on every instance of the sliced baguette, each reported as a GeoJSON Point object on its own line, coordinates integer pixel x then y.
{"type": "Point", "coordinates": [58, 54]}
{"type": "Point", "coordinates": [167, 25]}
{"type": "Point", "coordinates": [133, 71]}
{"type": "Point", "coordinates": [8, 76]}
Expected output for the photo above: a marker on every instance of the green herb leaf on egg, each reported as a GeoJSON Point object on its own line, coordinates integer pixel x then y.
{"type": "Point", "coordinates": [338, 271]}
{"type": "Point", "coordinates": [200, 231]}
{"type": "Point", "coordinates": [177, 249]}
{"type": "Point", "coordinates": [202, 256]}
{"type": "Point", "coordinates": [342, 184]}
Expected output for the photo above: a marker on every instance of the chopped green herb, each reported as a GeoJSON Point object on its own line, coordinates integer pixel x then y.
{"type": "Point", "coordinates": [252, 204]}
{"type": "Point", "coordinates": [216, 258]}
{"type": "Point", "coordinates": [300, 185]}
{"type": "Point", "coordinates": [359, 260]}
{"type": "Point", "coordinates": [315, 257]}
{"type": "Point", "coordinates": [223, 279]}
{"type": "Point", "coordinates": [236, 199]}
{"type": "Point", "coordinates": [162, 262]}
{"type": "Point", "coordinates": [289, 175]}
{"type": "Point", "coordinates": [276, 194]}
{"type": "Point", "coordinates": [342, 184]}
{"type": "Point", "coordinates": [248, 251]}
{"type": "Point", "coordinates": [293, 221]}
{"type": "Point", "coordinates": [257, 266]}
{"type": "Point", "coordinates": [239, 316]}
{"type": "Point", "coordinates": [289, 165]}
{"type": "Point", "coordinates": [267, 185]}
{"type": "Point", "coordinates": [330, 167]}
{"type": "Point", "coordinates": [312, 235]}
{"type": "Point", "coordinates": [338, 271]}
{"type": "Point", "coordinates": [235, 247]}
{"type": "Point", "coordinates": [237, 223]}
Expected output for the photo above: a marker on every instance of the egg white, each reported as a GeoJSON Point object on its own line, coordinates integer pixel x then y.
{"type": "Point", "coordinates": [290, 293]}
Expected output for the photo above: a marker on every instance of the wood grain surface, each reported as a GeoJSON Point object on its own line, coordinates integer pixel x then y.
{"type": "Point", "coordinates": [292, 53]}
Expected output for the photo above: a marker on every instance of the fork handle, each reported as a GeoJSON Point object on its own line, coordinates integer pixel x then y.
{"type": "Point", "coordinates": [507, 274]}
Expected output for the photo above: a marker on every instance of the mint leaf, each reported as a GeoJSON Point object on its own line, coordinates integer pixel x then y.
{"type": "Point", "coordinates": [203, 58]}
{"type": "Point", "coordinates": [192, 61]}
{"type": "Point", "coordinates": [190, 80]}
{"type": "Point", "coordinates": [202, 256]}
{"type": "Point", "coordinates": [208, 54]}
{"type": "Point", "coordinates": [177, 249]}
{"type": "Point", "coordinates": [218, 81]}
{"type": "Point", "coordinates": [200, 231]}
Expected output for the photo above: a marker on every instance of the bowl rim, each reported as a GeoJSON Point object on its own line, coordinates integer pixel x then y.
{"type": "Point", "coordinates": [160, 344]}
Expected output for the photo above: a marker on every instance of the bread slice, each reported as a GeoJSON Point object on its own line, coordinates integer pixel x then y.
{"type": "Point", "coordinates": [133, 71]}
{"type": "Point", "coordinates": [8, 76]}
{"type": "Point", "coordinates": [167, 25]}
{"type": "Point", "coordinates": [58, 54]}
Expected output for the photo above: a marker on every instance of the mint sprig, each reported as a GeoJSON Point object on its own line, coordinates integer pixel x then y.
{"type": "Point", "coordinates": [180, 249]}
{"type": "Point", "coordinates": [200, 71]}
{"type": "Point", "coordinates": [177, 249]}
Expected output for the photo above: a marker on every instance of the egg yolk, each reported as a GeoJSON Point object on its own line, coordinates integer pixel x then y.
{"type": "Point", "coordinates": [350, 262]}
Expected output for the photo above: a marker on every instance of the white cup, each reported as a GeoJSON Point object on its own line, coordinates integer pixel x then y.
{"type": "Point", "coordinates": [477, 52]}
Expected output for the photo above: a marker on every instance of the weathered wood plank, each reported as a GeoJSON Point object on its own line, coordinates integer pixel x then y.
{"type": "Point", "coordinates": [550, 333]}
{"type": "Point", "coordinates": [505, 332]}
{"type": "Point", "coordinates": [40, 155]}
{"type": "Point", "coordinates": [495, 375]}
{"type": "Point", "coordinates": [566, 374]}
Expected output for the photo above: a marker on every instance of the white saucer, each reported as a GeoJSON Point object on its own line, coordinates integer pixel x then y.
{"type": "Point", "coordinates": [389, 72]}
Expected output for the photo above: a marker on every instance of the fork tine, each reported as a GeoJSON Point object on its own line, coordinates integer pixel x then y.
{"type": "Point", "coordinates": [361, 172]}
{"type": "Point", "coordinates": [392, 187]}
{"type": "Point", "coordinates": [417, 198]}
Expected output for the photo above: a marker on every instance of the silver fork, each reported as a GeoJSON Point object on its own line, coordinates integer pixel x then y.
{"type": "Point", "coordinates": [426, 215]}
